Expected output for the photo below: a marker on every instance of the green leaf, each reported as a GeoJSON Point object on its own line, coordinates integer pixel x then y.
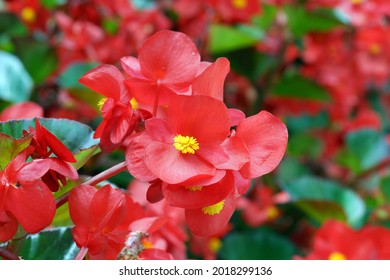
{"type": "Point", "coordinates": [267, 17]}
{"type": "Point", "coordinates": [324, 199]}
{"type": "Point", "coordinates": [77, 137]}
{"type": "Point", "coordinates": [11, 25]}
{"type": "Point", "coordinates": [37, 53]}
{"type": "Point", "coordinates": [69, 78]}
{"type": "Point", "coordinates": [296, 86]}
{"type": "Point", "coordinates": [302, 21]}
{"type": "Point", "coordinates": [262, 244]}
{"type": "Point", "coordinates": [10, 147]}
{"type": "Point", "coordinates": [385, 188]}
{"type": "Point", "coordinates": [304, 145]}
{"type": "Point", "coordinates": [304, 122]}
{"type": "Point", "coordinates": [290, 168]}
{"type": "Point", "coordinates": [53, 244]}
{"type": "Point", "coordinates": [51, 4]}
{"type": "Point", "coordinates": [224, 38]}
{"type": "Point", "coordinates": [15, 82]}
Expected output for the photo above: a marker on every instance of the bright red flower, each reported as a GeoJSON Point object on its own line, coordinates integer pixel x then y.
{"type": "Point", "coordinates": [336, 241]}
{"type": "Point", "coordinates": [119, 117]}
{"type": "Point", "coordinates": [31, 12]}
{"type": "Point", "coordinates": [102, 219]}
{"type": "Point", "coordinates": [24, 197]}
{"type": "Point", "coordinates": [236, 10]}
{"type": "Point", "coordinates": [183, 146]}
{"type": "Point", "coordinates": [23, 110]}
{"type": "Point", "coordinates": [167, 63]}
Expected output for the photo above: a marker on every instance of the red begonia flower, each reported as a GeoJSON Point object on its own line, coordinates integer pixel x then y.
{"type": "Point", "coordinates": [236, 10]}
{"type": "Point", "coordinates": [119, 118]}
{"type": "Point", "coordinates": [265, 137]}
{"type": "Point", "coordinates": [24, 197]}
{"type": "Point", "coordinates": [187, 145]}
{"type": "Point", "coordinates": [212, 219]}
{"type": "Point", "coordinates": [336, 241]}
{"type": "Point", "coordinates": [45, 143]}
{"type": "Point", "coordinates": [102, 219]}
{"type": "Point", "coordinates": [23, 110]}
{"type": "Point", "coordinates": [168, 62]}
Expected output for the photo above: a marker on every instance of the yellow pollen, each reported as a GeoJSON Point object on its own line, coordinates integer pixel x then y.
{"type": "Point", "coordinates": [375, 49]}
{"type": "Point", "coordinates": [28, 14]}
{"type": "Point", "coordinates": [101, 103]}
{"type": "Point", "coordinates": [185, 144]}
{"type": "Point", "coordinates": [272, 212]}
{"type": "Point", "coordinates": [147, 244]}
{"type": "Point", "coordinates": [356, 2]}
{"type": "Point", "coordinates": [240, 4]}
{"type": "Point", "coordinates": [194, 188]}
{"type": "Point", "coordinates": [337, 256]}
{"type": "Point", "coordinates": [134, 104]}
{"type": "Point", "coordinates": [214, 209]}
{"type": "Point", "coordinates": [214, 244]}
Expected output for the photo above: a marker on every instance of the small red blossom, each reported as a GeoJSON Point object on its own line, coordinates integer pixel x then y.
{"type": "Point", "coordinates": [24, 197]}
{"type": "Point", "coordinates": [102, 219]}
{"type": "Point", "coordinates": [336, 241]}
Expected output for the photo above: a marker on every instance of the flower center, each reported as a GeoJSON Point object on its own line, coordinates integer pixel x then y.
{"type": "Point", "coordinates": [272, 212]}
{"type": "Point", "coordinates": [337, 256]}
{"type": "Point", "coordinates": [214, 209]}
{"type": "Point", "coordinates": [194, 188]}
{"type": "Point", "coordinates": [239, 4]}
{"type": "Point", "coordinates": [375, 49]}
{"type": "Point", "coordinates": [356, 2]}
{"type": "Point", "coordinates": [186, 144]}
{"type": "Point", "coordinates": [101, 103]}
{"type": "Point", "coordinates": [134, 104]}
{"type": "Point", "coordinates": [28, 14]}
{"type": "Point", "coordinates": [215, 244]}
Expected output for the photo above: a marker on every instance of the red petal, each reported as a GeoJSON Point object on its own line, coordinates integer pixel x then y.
{"type": "Point", "coordinates": [24, 110]}
{"type": "Point", "coordinates": [202, 117]}
{"type": "Point", "coordinates": [119, 127]}
{"type": "Point", "coordinates": [214, 154]}
{"type": "Point", "coordinates": [206, 225]}
{"type": "Point", "coordinates": [8, 226]}
{"type": "Point", "coordinates": [135, 155]}
{"type": "Point", "coordinates": [32, 204]}
{"type": "Point", "coordinates": [237, 151]}
{"type": "Point", "coordinates": [212, 80]}
{"type": "Point", "coordinates": [266, 139]}
{"type": "Point", "coordinates": [154, 193]}
{"type": "Point", "coordinates": [131, 66]}
{"type": "Point", "coordinates": [80, 199]}
{"type": "Point", "coordinates": [170, 57]}
{"type": "Point", "coordinates": [104, 79]}
{"type": "Point", "coordinates": [59, 149]}
{"type": "Point", "coordinates": [63, 167]}
{"type": "Point", "coordinates": [33, 170]}
{"type": "Point", "coordinates": [236, 116]}
{"type": "Point", "coordinates": [159, 130]}
{"type": "Point", "coordinates": [180, 196]}
{"type": "Point", "coordinates": [155, 254]}
{"type": "Point", "coordinates": [149, 224]}
{"type": "Point", "coordinates": [173, 167]}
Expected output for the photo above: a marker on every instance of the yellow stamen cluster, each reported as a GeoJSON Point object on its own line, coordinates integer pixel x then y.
{"type": "Point", "coordinates": [185, 144]}
{"type": "Point", "coordinates": [28, 14]}
{"type": "Point", "coordinates": [375, 49]}
{"type": "Point", "coordinates": [272, 212]}
{"type": "Point", "coordinates": [215, 244]}
{"type": "Point", "coordinates": [337, 256]}
{"type": "Point", "coordinates": [356, 2]}
{"type": "Point", "coordinates": [134, 104]}
{"type": "Point", "coordinates": [214, 209]}
{"type": "Point", "coordinates": [194, 188]}
{"type": "Point", "coordinates": [240, 4]}
{"type": "Point", "coordinates": [101, 103]}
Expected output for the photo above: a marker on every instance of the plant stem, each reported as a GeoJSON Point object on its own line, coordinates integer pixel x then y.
{"type": "Point", "coordinates": [118, 168]}
{"type": "Point", "coordinates": [81, 254]}
{"type": "Point", "coordinates": [8, 255]}
{"type": "Point", "coordinates": [375, 169]}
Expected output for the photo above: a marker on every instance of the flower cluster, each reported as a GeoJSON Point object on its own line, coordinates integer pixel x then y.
{"type": "Point", "coordinates": [195, 152]}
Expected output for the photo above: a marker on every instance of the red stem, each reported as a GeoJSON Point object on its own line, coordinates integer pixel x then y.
{"type": "Point", "coordinates": [384, 163]}
{"type": "Point", "coordinates": [7, 255]}
{"type": "Point", "coordinates": [81, 254]}
{"type": "Point", "coordinates": [96, 180]}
